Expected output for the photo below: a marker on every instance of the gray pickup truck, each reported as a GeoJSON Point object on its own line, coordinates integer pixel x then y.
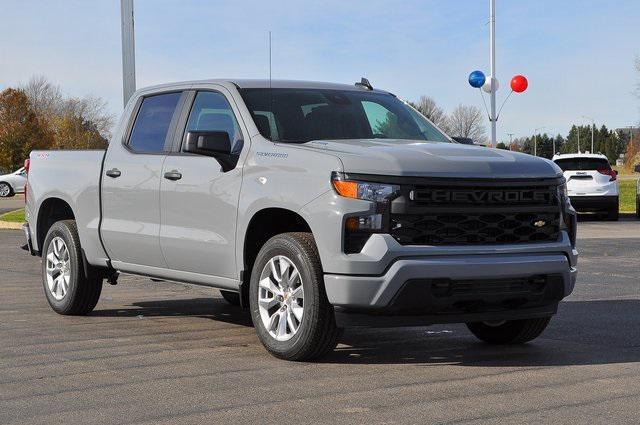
{"type": "Point", "coordinates": [314, 205]}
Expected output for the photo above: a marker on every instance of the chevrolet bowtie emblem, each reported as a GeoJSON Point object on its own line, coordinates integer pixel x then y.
{"type": "Point", "coordinates": [540, 223]}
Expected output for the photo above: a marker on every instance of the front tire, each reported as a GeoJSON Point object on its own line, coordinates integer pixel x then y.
{"type": "Point", "coordinates": [509, 332]}
{"type": "Point", "coordinates": [613, 214]}
{"type": "Point", "coordinates": [6, 191]}
{"type": "Point", "coordinates": [289, 306]}
{"type": "Point", "coordinates": [68, 290]}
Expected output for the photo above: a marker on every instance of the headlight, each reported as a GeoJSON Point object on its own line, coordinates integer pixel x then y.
{"type": "Point", "coordinates": [368, 191]}
{"type": "Point", "coordinates": [563, 192]}
{"type": "Point", "coordinates": [569, 216]}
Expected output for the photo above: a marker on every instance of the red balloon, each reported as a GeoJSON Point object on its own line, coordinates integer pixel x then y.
{"type": "Point", "coordinates": [519, 83]}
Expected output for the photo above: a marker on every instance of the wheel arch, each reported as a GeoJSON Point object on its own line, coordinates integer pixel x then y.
{"type": "Point", "coordinates": [51, 210]}
{"type": "Point", "coordinates": [265, 224]}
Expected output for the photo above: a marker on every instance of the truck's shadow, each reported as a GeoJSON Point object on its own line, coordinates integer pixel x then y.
{"type": "Point", "coordinates": [583, 333]}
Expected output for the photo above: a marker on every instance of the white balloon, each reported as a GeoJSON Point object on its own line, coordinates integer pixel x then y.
{"type": "Point", "coordinates": [487, 84]}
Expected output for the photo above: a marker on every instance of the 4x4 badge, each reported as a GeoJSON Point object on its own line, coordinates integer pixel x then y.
{"type": "Point", "coordinates": [540, 223]}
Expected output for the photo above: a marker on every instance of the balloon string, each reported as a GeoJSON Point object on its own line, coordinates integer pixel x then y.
{"type": "Point", "coordinates": [485, 104]}
{"type": "Point", "coordinates": [505, 101]}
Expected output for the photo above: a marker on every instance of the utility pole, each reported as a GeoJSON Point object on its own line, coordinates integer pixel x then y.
{"type": "Point", "coordinates": [510, 140]}
{"type": "Point", "coordinates": [492, 58]}
{"type": "Point", "coordinates": [593, 124]}
{"type": "Point", "coordinates": [535, 140]}
{"type": "Point", "coordinates": [578, 139]}
{"type": "Point", "coordinates": [128, 50]}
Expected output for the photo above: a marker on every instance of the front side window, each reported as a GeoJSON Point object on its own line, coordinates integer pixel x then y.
{"type": "Point", "coordinates": [211, 112]}
{"type": "Point", "coordinates": [302, 115]}
{"type": "Point", "coordinates": [152, 123]}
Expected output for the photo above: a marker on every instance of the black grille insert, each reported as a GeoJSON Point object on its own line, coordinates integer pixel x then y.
{"type": "Point", "coordinates": [459, 215]}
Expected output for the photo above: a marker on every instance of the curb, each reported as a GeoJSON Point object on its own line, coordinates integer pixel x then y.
{"type": "Point", "coordinates": [10, 225]}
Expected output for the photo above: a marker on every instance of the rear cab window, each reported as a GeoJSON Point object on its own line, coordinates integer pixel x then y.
{"type": "Point", "coordinates": [582, 164]}
{"type": "Point", "coordinates": [151, 127]}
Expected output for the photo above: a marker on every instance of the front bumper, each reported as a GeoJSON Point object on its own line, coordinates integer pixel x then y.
{"type": "Point", "coordinates": [378, 292]}
{"type": "Point", "coordinates": [455, 286]}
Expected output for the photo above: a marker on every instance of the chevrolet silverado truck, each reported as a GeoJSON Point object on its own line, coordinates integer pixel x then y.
{"type": "Point", "coordinates": [314, 205]}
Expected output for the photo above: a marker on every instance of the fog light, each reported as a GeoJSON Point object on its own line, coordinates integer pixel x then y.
{"type": "Point", "coordinates": [358, 230]}
{"type": "Point", "coordinates": [367, 222]}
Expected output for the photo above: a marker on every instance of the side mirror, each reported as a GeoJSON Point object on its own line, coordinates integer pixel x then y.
{"type": "Point", "coordinates": [637, 168]}
{"type": "Point", "coordinates": [216, 144]}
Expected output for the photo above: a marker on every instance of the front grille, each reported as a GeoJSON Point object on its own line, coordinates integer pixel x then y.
{"type": "Point", "coordinates": [478, 214]}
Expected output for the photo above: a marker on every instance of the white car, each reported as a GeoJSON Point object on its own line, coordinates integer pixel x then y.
{"type": "Point", "coordinates": [637, 170]}
{"type": "Point", "coordinates": [591, 183]}
{"type": "Point", "coordinates": [13, 183]}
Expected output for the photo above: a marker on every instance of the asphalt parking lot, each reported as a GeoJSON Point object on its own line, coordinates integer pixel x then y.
{"type": "Point", "coordinates": [171, 353]}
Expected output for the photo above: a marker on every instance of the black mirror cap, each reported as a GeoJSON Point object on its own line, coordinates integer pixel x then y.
{"type": "Point", "coordinates": [216, 144]}
{"type": "Point", "coordinates": [464, 140]}
{"type": "Point", "coordinates": [208, 143]}
{"type": "Point", "coordinates": [637, 168]}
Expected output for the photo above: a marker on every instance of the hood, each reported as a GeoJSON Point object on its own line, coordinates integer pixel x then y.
{"type": "Point", "coordinates": [399, 157]}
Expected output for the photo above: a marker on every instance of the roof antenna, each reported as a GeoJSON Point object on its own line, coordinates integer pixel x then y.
{"type": "Point", "coordinates": [271, 95]}
{"type": "Point", "coordinates": [365, 84]}
{"type": "Point", "coordinates": [269, 60]}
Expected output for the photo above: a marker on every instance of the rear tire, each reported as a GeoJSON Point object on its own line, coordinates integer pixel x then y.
{"type": "Point", "coordinates": [68, 290]}
{"type": "Point", "coordinates": [509, 332]}
{"type": "Point", "coordinates": [638, 206]}
{"type": "Point", "coordinates": [232, 298]}
{"type": "Point", "coordinates": [310, 330]}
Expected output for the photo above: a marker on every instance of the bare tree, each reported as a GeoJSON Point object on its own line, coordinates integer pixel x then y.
{"type": "Point", "coordinates": [49, 103]}
{"type": "Point", "coordinates": [45, 97]}
{"type": "Point", "coordinates": [466, 121]}
{"type": "Point", "coordinates": [427, 107]}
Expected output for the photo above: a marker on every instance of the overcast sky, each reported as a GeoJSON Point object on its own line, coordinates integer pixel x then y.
{"type": "Point", "coordinates": [577, 54]}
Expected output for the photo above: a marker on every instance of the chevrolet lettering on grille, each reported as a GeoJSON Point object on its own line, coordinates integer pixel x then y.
{"type": "Point", "coordinates": [437, 196]}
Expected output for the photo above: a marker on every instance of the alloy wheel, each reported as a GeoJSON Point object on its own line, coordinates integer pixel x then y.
{"type": "Point", "coordinates": [58, 268]}
{"type": "Point", "coordinates": [281, 298]}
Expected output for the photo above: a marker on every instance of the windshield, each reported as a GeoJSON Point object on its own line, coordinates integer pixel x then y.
{"type": "Point", "coordinates": [576, 164]}
{"type": "Point", "coordinates": [302, 115]}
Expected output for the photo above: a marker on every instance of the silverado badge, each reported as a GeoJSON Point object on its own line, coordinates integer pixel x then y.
{"type": "Point", "coordinates": [540, 223]}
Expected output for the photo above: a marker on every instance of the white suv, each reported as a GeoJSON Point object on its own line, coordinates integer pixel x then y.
{"type": "Point", "coordinates": [591, 183]}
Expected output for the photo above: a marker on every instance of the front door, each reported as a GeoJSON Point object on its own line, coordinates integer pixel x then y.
{"type": "Point", "coordinates": [198, 200]}
{"type": "Point", "coordinates": [131, 186]}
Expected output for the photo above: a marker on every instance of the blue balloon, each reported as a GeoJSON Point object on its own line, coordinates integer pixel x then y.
{"type": "Point", "coordinates": [477, 79]}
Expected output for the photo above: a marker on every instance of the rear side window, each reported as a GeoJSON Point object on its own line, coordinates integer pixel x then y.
{"type": "Point", "coordinates": [573, 164]}
{"type": "Point", "coordinates": [150, 130]}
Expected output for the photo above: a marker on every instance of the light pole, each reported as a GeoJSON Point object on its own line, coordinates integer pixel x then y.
{"type": "Point", "coordinates": [535, 140]}
{"type": "Point", "coordinates": [510, 140]}
{"type": "Point", "coordinates": [593, 124]}
{"type": "Point", "coordinates": [128, 50]}
{"type": "Point", "coordinates": [492, 59]}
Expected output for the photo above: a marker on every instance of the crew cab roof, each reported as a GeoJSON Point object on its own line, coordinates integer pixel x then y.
{"type": "Point", "coordinates": [265, 83]}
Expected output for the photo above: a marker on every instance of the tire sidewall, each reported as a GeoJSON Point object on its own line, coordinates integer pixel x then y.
{"type": "Point", "coordinates": [62, 230]}
{"type": "Point", "coordinates": [286, 246]}
{"type": "Point", "coordinates": [11, 192]}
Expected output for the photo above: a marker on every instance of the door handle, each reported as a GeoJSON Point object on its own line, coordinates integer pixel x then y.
{"type": "Point", "coordinates": [173, 175]}
{"type": "Point", "coordinates": [113, 173]}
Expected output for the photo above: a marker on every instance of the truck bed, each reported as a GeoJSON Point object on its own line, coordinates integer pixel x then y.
{"type": "Point", "coordinates": [72, 177]}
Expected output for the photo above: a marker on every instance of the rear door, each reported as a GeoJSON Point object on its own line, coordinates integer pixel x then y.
{"type": "Point", "coordinates": [199, 201]}
{"type": "Point", "coordinates": [131, 184]}
{"type": "Point", "coordinates": [583, 175]}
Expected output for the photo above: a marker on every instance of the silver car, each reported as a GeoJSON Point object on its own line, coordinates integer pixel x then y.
{"type": "Point", "coordinates": [13, 183]}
